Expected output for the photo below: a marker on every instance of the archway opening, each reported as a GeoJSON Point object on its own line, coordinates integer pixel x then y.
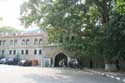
{"type": "Point", "coordinates": [60, 60]}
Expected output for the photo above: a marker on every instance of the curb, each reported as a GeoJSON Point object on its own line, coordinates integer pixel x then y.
{"type": "Point", "coordinates": [107, 75]}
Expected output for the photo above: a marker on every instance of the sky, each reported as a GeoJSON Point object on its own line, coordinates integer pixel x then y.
{"type": "Point", "coordinates": [10, 12]}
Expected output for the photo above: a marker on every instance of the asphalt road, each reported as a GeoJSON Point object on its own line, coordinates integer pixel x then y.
{"type": "Point", "coordinates": [15, 74]}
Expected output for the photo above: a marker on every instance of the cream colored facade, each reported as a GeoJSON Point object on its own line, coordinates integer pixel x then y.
{"type": "Point", "coordinates": [29, 46]}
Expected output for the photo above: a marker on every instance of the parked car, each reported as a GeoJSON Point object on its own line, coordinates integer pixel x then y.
{"type": "Point", "coordinates": [16, 61]}
{"type": "Point", "coordinates": [3, 61]}
{"type": "Point", "coordinates": [25, 63]}
{"type": "Point", "coordinates": [11, 61]}
{"type": "Point", "coordinates": [74, 63]}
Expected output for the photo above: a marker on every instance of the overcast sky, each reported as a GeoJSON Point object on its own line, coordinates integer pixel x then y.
{"type": "Point", "coordinates": [10, 12]}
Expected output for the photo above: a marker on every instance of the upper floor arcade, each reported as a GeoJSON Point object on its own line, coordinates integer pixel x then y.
{"type": "Point", "coordinates": [23, 39]}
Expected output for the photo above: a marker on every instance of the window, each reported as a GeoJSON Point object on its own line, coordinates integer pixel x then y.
{"type": "Point", "coordinates": [22, 52]}
{"type": "Point", "coordinates": [15, 42]}
{"type": "Point", "coordinates": [11, 42]}
{"type": "Point", "coordinates": [35, 41]}
{"type": "Point", "coordinates": [40, 41]}
{"type": "Point", "coordinates": [14, 52]}
{"type": "Point", "coordinates": [35, 52]}
{"type": "Point", "coordinates": [26, 51]}
{"type": "Point", "coordinates": [10, 52]}
{"type": "Point", "coordinates": [27, 41]}
{"type": "Point", "coordinates": [23, 42]}
{"type": "Point", "coordinates": [2, 52]}
{"type": "Point", "coordinates": [40, 52]}
{"type": "Point", "coordinates": [4, 41]}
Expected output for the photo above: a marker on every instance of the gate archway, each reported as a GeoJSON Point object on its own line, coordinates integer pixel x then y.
{"type": "Point", "coordinates": [60, 60]}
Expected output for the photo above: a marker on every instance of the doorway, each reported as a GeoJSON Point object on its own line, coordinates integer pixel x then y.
{"type": "Point", "coordinates": [61, 60]}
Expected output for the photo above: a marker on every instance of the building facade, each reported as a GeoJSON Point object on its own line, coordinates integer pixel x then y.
{"type": "Point", "coordinates": [23, 45]}
{"type": "Point", "coordinates": [30, 46]}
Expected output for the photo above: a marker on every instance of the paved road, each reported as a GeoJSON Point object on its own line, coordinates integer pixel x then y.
{"type": "Point", "coordinates": [15, 74]}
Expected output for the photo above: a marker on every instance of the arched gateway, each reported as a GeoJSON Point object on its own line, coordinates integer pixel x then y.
{"type": "Point", "coordinates": [60, 60]}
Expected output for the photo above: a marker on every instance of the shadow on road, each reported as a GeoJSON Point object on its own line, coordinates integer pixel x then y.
{"type": "Point", "coordinates": [67, 76]}
{"type": "Point", "coordinates": [57, 76]}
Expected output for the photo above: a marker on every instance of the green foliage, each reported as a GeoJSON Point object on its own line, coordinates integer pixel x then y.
{"type": "Point", "coordinates": [120, 6]}
{"type": "Point", "coordinates": [90, 29]}
{"type": "Point", "coordinates": [115, 38]}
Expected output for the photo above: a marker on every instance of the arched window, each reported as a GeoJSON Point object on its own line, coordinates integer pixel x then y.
{"type": "Point", "coordinates": [15, 42]}
{"type": "Point", "coordinates": [35, 41]}
{"type": "Point", "coordinates": [27, 41]}
{"type": "Point", "coordinates": [23, 42]}
{"type": "Point", "coordinates": [40, 41]}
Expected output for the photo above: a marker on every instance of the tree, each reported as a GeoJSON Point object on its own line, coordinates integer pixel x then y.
{"type": "Point", "coordinates": [58, 16]}
{"type": "Point", "coordinates": [85, 27]}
